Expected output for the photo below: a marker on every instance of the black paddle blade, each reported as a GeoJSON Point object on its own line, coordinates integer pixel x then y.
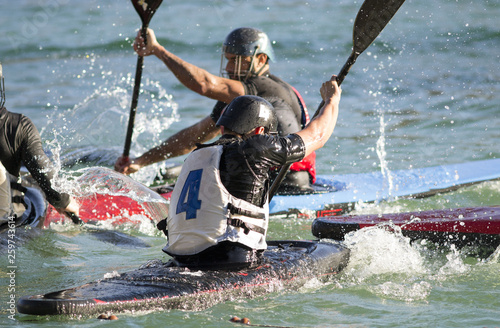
{"type": "Point", "coordinates": [372, 17]}
{"type": "Point", "coordinates": [146, 9]}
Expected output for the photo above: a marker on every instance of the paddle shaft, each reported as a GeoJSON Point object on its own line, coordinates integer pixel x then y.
{"type": "Point", "coordinates": [343, 72]}
{"type": "Point", "coordinates": [371, 19]}
{"type": "Point", "coordinates": [146, 9]}
{"type": "Point", "coordinates": [74, 218]}
{"type": "Point", "coordinates": [135, 98]}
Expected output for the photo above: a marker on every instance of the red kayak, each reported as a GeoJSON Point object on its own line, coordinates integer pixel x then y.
{"type": "Point", "coordinates": [116, 209]}
{"type": "Point", "coordinates": [479, 226]}
{"type": "Point", "coordinates": [108, 196]}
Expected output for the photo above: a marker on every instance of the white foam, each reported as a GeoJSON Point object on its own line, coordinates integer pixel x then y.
{"type": "Point", "coordinates": [377, 250]}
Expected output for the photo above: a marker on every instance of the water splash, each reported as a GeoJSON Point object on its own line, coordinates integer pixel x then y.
{"type": "Point", "coordinates": [382, 155]}
{"type": "Point", "coordinates": [106, 181]}
{"type": "Point", "coordinates": [382, 250]}
{"type": "Point", "coordinates": [109, 182]}
{"type": "Point", "coordinates": [143, 205]}
{"type": "Point", "coordinates": [93, 131]}
{"type": "Point", "coordinates": [494, 257]}
{"type": "Point", "coordinates": [113, 274]}
{"type": "Point", "coordinates": [454, 264]}
{"type": "Point", "coordinates": [380, 147]}
{"type": "Point", "coordinates": [385, 263]}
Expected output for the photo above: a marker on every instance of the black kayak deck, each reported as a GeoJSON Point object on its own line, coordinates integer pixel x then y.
{"type": "Point", "coordinates": [160, 286]}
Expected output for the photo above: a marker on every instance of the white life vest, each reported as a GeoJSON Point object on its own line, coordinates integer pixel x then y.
{"type": "Point", "coordinates": [203, 213]}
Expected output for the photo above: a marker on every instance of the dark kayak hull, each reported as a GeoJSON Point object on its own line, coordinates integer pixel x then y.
{"type": "Point", "coordinates": [476, 226]}
{"type": "Point", "coordinates": [159, 286]}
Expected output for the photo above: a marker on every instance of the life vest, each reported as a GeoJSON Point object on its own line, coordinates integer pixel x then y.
{"type": "Point", "coordinates": [308, 163]}
{"type": "Point", "coordinates": [203, 213]}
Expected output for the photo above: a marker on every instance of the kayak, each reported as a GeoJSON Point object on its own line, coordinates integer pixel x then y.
{"type": "Point", "coordinates": [336, 195]}
{"type": "Point", "coordinates": [332, 195]}
{"type": "Point", "coordinates": [472, 226]}
{"type": "Point", "coordinates": [106, 196]}
{"type": "Point", "coordinates": [116, 209]}
{"type": "Point", "coordinates": [162, 286]}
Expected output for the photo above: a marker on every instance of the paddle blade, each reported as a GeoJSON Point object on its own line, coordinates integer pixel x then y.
{"type": "Point", "coordinates": [146, 9]}
{"type": "Point", "coordinates": [372, 17]}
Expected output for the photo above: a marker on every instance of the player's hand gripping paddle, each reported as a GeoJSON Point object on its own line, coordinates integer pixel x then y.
{"type": "Point", "coordinates": [372, 17]}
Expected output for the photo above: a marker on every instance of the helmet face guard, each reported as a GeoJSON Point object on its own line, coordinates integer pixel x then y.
{"type": "Point", "coordinates": [238, 73]}
{"type": "Point", "coordinates": [2, 88]}
{"type": "Point", "coordinates": [246, 113]}
{"type": "Point", "coordinates": [245, 42]}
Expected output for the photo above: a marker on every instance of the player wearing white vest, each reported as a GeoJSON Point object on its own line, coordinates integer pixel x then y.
{"type": "Point", "coordinates": [219, 206]}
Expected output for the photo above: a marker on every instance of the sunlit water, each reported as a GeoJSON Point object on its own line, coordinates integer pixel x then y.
{"type": "Point", "coordinates": [425, 93]}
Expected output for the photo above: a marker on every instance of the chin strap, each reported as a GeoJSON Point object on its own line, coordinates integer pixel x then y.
{"type": "Point", "coordinates": [249, 72]}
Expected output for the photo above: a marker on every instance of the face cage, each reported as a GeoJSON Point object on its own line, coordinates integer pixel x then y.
{"type": "Point", "coordinates": [239, 74]}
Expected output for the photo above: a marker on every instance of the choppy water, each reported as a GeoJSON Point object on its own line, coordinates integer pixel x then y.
{"type": "Point", "coordinates": [425, 93]}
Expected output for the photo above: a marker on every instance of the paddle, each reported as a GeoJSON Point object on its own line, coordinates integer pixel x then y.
{"type": "Point", "coordinates": [371, 19]}
{"type": "Point", "coordinates": [146, 10]}
{"type": "Point", "coordinates": [75, 218]}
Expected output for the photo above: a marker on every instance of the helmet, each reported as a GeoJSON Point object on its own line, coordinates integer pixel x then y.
{"type": "Point", "coordinates": [247, 41]}
{"type": "Point", "coordinates": [246, 113]}
{"type": "Point", "coordinates": [2, 88]}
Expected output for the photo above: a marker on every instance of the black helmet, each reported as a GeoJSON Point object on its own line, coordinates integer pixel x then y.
{"type": "Point", "coordinates": [246, 113]}
{"type": "Point", "coordinates": [2, 88]}
{"type": "Point", "coordinates": [247, 41]}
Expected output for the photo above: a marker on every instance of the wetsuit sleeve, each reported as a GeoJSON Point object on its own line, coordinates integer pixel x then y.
{"type": "Point", "coordinates": [217, 111]}
{"type": "Point", "coordinates": [295, 148]}
{"type": "Point", "coordinates": [273, 151]}
{"type": "Point", "coordinates": [38, 164]}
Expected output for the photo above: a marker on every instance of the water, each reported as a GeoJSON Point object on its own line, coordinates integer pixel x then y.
{"type": "Point", "coordinates": [425, 93]}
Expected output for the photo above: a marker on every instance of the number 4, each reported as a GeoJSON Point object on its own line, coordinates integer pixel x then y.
{"type": "Point", "coordinates": [191, 189]}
